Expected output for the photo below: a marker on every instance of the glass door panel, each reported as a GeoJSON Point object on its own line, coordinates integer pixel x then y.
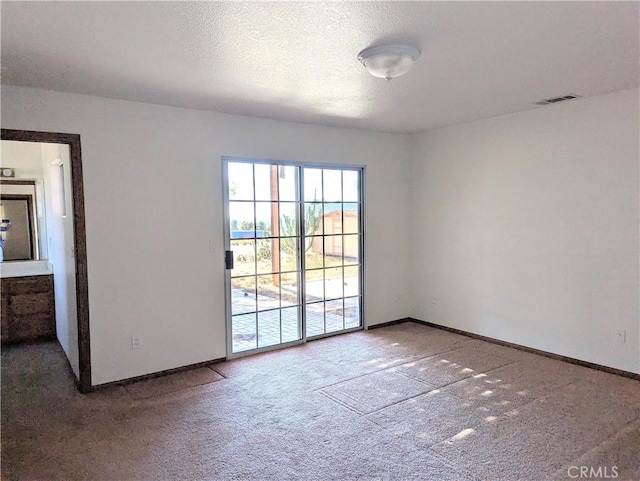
{"type": "Point", "coordinates": [265, 303]}
{"type": "Point", "coordinates": [333, 239]}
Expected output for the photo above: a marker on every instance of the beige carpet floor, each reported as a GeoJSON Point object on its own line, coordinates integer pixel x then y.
{"type": "Point", "coordinates": [403, 402]}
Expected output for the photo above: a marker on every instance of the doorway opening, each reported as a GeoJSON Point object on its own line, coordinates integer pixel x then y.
{"type": "Point", "coordinates": [294, 237]}
{"type": "Point", "coordinates": [66, 205]}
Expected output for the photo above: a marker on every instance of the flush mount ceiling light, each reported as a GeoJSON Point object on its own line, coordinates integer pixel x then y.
{"type": "Point", "coordinates": [388, 61]}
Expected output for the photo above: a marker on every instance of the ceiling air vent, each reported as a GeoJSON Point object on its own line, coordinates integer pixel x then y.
{"type": "Point", "coordinates": [555, 100]}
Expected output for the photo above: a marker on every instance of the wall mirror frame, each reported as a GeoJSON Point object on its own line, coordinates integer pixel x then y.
{"type": "Point", "coordinates": [20, 242]}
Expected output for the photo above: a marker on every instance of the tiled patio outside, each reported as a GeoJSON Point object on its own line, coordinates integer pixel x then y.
{"type": "Point", "coordinates": [278, 326]}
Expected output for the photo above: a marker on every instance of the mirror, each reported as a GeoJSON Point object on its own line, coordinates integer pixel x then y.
{"type": "Point", "coordinates": [22, 223]}
{"type": "Point", "coordinates": [22, 203]}
{"type": "Point", "coordinates": [17, 240]}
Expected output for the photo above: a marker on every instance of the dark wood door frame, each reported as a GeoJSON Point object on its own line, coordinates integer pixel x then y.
{"type": "Point", "coordinates": [80, 240]}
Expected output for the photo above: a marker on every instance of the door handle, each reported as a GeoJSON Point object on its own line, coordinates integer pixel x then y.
{"type": "Point", "coordinates": [228, 259]}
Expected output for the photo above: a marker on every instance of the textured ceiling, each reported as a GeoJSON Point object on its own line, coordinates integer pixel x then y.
{"type": "Point", "coordinates": [297, 61]}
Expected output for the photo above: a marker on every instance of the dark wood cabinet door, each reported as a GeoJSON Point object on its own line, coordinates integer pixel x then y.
{"type": "Point", "coordinates": [28, 308]}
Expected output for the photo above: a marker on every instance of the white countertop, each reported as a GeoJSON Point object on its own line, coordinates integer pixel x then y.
{"type": "Point", "coordinates": [25, 268]}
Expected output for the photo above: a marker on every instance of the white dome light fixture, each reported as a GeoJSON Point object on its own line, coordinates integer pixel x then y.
{"type": "Point", "coordinates": [388, 61]}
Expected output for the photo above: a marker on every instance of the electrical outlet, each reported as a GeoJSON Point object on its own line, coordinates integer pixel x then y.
{"type": "Point", "coordinates": [434, 300]}
{"type": "Point", "coordinates": [135, 342]}
{"type": "Point", "coordinates": [621, 336]}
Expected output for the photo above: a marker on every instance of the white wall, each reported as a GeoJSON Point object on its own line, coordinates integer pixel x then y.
{"type": "Point", "coordinates": [61, 247]}
{"type": "Point", "coordinates": [24, 157]}
{"type": "Point", "coordinates": [526, 228]}
{"type": "Point", "coordinates": [145, 166]}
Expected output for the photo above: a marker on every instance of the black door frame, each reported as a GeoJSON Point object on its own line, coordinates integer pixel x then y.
{"type": "Point", "coordinates": [80, 240]}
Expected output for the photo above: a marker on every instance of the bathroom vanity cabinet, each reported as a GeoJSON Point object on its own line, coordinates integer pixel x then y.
{"type": "Point", "coordinates": [28, 308]}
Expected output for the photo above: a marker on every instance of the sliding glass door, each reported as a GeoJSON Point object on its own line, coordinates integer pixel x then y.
{"type": "Point", "coordinates": [294, 241]}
